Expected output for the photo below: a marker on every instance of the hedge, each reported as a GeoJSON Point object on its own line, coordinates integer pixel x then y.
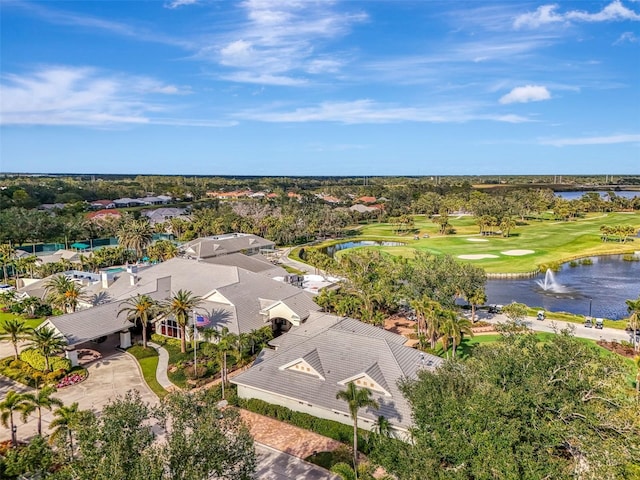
{"type": "Point", "coordinates": [162, 340]}
{"type": "Point", "coordinates": [329, 428]}
{"type": "Point", "coordinates": [36, 360]}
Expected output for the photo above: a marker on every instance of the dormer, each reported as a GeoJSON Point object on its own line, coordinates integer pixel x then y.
{"type": "Point", "coordinates": [309, 365]}
{"type": "Point", "coordinates": [371, 379]}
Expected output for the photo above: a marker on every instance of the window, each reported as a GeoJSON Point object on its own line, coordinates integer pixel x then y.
{"type": "Point", "coordinates": [169, 328]}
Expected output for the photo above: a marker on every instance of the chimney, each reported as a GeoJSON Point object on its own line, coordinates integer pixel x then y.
{"type": "Point", "coordinates": [104, 277]}
{"type": "Point", "coordinates": [132, 270]}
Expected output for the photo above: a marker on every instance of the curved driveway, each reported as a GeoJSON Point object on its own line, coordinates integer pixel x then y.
{"type": "Point", "coordinates": [108, 378]}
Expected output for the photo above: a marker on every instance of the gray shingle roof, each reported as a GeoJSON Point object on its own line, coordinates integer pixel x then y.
{"type": "Point", "coordinates": [343, 351]}
{"type": "Point", "coordinates": [255, 263]}
{"type": "Point", "coordinates": [85, 325]}
{"type": "Point", "coordinates": [247, 291]}
{"type": "Point", "coordinates": [223, 245]}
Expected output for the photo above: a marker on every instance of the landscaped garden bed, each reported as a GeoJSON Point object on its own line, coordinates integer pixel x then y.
{"type": "Point", "coordinates": [624, 349]}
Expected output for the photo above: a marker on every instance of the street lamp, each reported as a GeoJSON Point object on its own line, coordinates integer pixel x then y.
{"type": "Point", "coordinates": [590, 302]}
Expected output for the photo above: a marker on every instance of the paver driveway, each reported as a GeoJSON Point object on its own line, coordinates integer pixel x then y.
{"type": "Point", "coordinates": [108, 378]}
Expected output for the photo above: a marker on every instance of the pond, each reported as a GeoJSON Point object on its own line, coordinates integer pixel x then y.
{"type": "Point", "coordinates": [576, 195]}
{"type": "Point", "coordinates": [332, 249]}
{"type": "Point", "coordinates": [601, 287]}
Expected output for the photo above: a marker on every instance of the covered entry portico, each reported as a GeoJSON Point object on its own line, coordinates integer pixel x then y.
{"type": "Point", "coordinates": [90, 324]}
{"type": "Point", "coordinates": [281, 316]}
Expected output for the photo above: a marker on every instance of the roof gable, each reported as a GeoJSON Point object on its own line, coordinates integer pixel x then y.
{"type": "Point", "coordinates": [309, 365]}
{"type": "Point", "coordinates": [372, 379]}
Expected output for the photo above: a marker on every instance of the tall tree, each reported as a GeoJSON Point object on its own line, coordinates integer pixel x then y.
{"type": "Point", "coordinates": [139, 309]}
{"type": "Point", "coordinates": [64, 293]}
{"type": "Point", "coordinates": [181, 307]}
{"type": "Point", "coordinates": [15, 330]}
{"type": "Point", "coordinates": [6, 258]}
{"type": "Point", "coordinates": [35, 402]}
{"type": "Point", "coordinates": [633, 307]}
{"type": "Point", "coordinates": [356, 399]}
{"type": "Point", "coordinates": [520, 408]}
{"type": "Point", "coordinates": [135, 235]}
{"type": "Point", "coordinates": [13, 401]}
{"type": "Point", "coordinates": [64, 423]}
{"type": "Point", "coordinates": [47, 342]}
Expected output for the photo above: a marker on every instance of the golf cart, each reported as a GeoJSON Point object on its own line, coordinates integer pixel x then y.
{"type": "Point", "coordinates": [599, 323]}
{"type": "Point", "coordinates": [588, 323]}
{"type": "Point", "coordinates": [541, 315]}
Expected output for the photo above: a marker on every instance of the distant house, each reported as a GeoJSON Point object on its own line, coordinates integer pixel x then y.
{"type": "Point", "coordinates": [52, 206]}
{"type": "Point", "coordinates": [317, 359]}
{"type": "Point", "coordinates": [102, 204]}
{"type": "Point", "coordinates": [104, 214]}
{"type": "Point", "coordinates": [229, 195]}
{"type": "Point", "coordinates": [160, 215]}
{"type": "Point", "coordinates": [297, 196]}
{"type": "Point", "coordinates": [366, 199]}
{"type": "Point", "coordinates": [328, 198]}
{"type": "Point", "coordinates": [159, 200]}
{"type": "Point", "coordinates": [129, 202]}
{"type": "Point", "coordinates": [363, 208]}
{"type": "Point", "coordinates": [218, 245]}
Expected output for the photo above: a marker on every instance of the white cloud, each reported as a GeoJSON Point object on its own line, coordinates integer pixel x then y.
{"type": "Point", "coordinates": [608, 140]}
{"type": "Point", "coordinates": [61, 95]}
{"type": "Point", "coordinates": [627, 37]}
{"type": "Point", "coordinates": [529, 93]}
{"type": "Point", "coordinates": [282, 41]}
{"type": "Point", "coordinates": [179, 3]}
{"type": "Point", "coordinates": [369, 111]}
{"type": "Point", "coordinates": [547, 14]}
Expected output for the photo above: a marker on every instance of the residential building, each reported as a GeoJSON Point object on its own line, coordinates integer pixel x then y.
{"type": "Point", "coordinates": [207, 247]}
{"type": "Point", "coordinates": [315, 360]}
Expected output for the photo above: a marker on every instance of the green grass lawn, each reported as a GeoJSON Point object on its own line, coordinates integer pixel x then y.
{"type": "Point", "coordinates": [148, 360]}
{"type": "Point", "coordinates": [552, 241]}
{"type": "Point", "coordinates": [31, 322]}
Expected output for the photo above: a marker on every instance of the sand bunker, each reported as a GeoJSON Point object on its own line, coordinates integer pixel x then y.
{"type": "Point", "coordinates": [477, 256]}
{"type": "Point", "coordinates": [477, 239]}
{"type": "Point", "coordinates": [517, 253]}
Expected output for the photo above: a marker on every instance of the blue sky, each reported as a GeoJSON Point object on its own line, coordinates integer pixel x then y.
{"type": "Point", "coordinates": [300, 87]}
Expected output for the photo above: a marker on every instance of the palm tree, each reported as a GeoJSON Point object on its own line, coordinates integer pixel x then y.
{"type": "Point", "coordinates": [12, 402]}
{"type": "Point", "coordinates": [227, 342]}
{"type": "Point", "coordinates": [140, 309]}
{"type": "Point", "coordinates": [447, 327]}
{"type": "Point", "coordinates": [63, 424]}
{"type": "Point", "coordinates": [135, 235]}
{"type": "Point", "coordinates": [460, 326]}
{"type": "Point", "coordinates": [6, 257]}
{"type": "Point", "coordinates": [356, 398]}
{"type": "Point", "coordinates": [181, 307]}
{"type": "Point", "coordinates": [46, 341]}
{"type": "Point", "coordinates": [15, 330]}
{"type": "Point", "coordinates": [425, 309]}
{"type": "Point", "coordinates": [63, 293]}
{"type": "Point", "coordinates": [633, 306]}
{"type": "Point", "coordinates": [477, 297]}
{"type": "Point", "coordinates": [36, 402]}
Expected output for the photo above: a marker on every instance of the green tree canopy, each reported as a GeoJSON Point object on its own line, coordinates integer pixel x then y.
{"type": "Point", "coordinates": [521, 409]}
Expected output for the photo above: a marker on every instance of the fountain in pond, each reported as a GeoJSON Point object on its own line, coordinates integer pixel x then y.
{"type": "Point", "coordinates": [549, 284]}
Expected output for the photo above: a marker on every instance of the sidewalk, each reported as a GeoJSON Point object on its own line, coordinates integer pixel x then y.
{"type": "Point", "coordinates": [161, 369]}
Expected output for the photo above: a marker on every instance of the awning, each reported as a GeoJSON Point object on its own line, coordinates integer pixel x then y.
{"type": "Point", "coordinates": [79, 246]}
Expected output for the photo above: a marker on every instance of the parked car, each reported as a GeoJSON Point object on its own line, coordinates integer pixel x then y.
{"type": "Point", "coordinates": [599, 323]}
{"type": "Point", "coordinates": [588, 323]}
{"type": "Point", "coordinates": [541, 315]}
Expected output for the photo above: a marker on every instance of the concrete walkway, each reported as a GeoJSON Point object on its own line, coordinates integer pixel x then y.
{"type": "Point", "coordinates": [161, 370]}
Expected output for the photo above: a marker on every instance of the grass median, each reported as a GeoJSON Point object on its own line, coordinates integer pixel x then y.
{"type": "Point", "coordinates": [148, 361]}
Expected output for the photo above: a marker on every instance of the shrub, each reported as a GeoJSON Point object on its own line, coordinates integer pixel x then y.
{"type": "Point", "coordinates": [72, 379]}
{"type": "Point", "coordinates": [192, 372]}
{"type": "Point", "coordinates": [37, 361]}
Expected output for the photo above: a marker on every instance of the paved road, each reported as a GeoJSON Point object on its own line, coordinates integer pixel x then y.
{"type": "Point", "coordinates": [276, 465]}
{"type": "Point", "coordinates": [610, 334]}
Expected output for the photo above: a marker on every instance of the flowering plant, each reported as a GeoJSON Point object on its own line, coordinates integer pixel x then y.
{"type": "Point", "coordinates": [71, 379]}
